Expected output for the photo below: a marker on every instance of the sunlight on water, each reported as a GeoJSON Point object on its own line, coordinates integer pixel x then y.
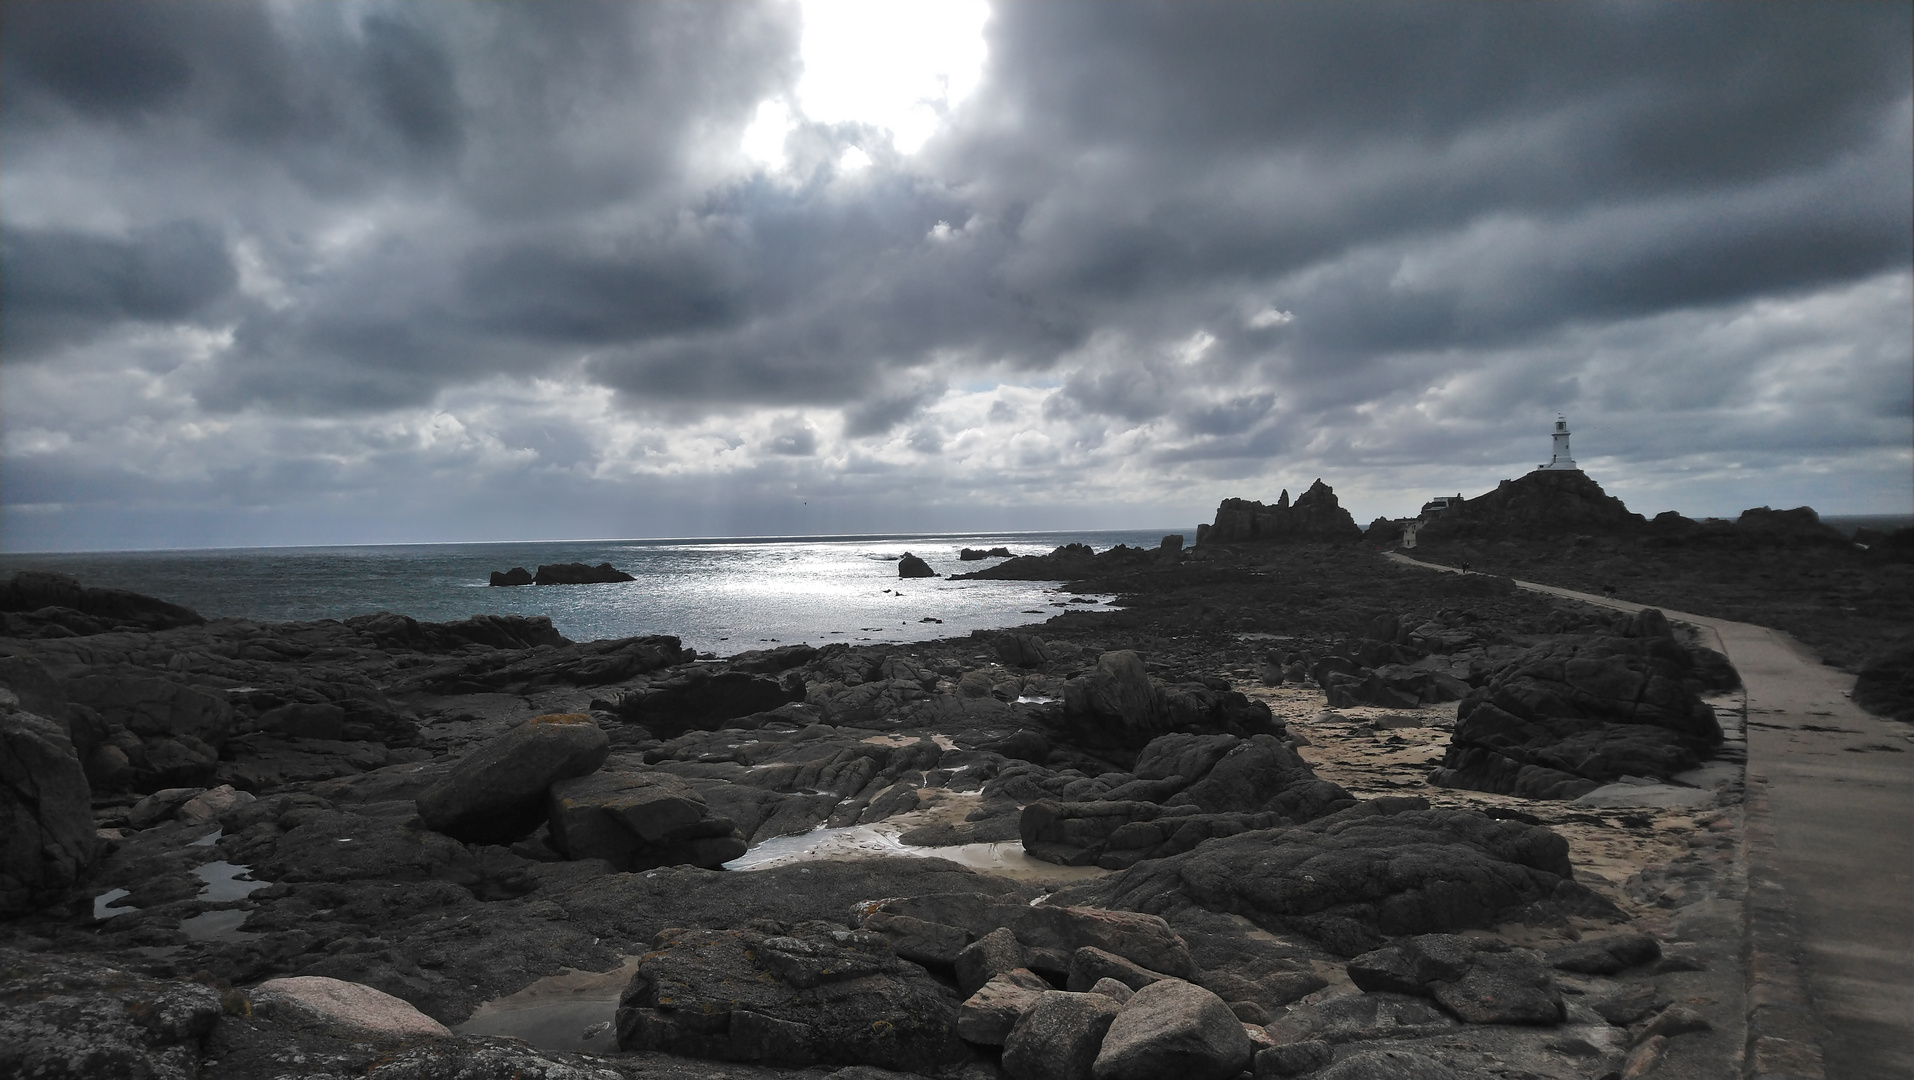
{"type": "Point", "coordinates": [722, 596]}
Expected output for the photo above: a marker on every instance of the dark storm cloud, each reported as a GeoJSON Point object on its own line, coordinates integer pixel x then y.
{"type": "Point", "coordinates": [1134, 166]}
{"type": "Point", "coordinates": [390, 205]}
{"type": "Point", "coordinates": [1191, 143]}
{"type": "Point", "coordinates": [106, 60]}
{"type": "Point", "coordinates": [413, 84]}
{"type": "Point", "coordinates": [60, 285]}
{"type": "Point", "coordinates": [564, 293]}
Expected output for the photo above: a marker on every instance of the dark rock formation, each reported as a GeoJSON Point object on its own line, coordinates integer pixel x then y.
{"type": "Point", "coordinates": [497, 793]}
{"type": "Point", "coordinates": [46, 813]}
{"type": "Point", "coordinates": [1606, 956]}
{"type": "Point", "coordinates": [1059, 1037]}
{"type": "Point", "coordinates": [1476, 986]}
{"type": "Point", "coordinates": [528, 667]}
{"type": "Point", "coordinates": [1384, 532]}
{"type": "Point", "coordinates": [1885, 685]}
{"type": "Point", "coordinates": [164, 733]}
{"type": "Point", "coordinates": [990, 956]}
{"type": "Point", "coordinates": [1073, 562]}
{"type": "Point", "coordinates": [1022, 650]}
{"type": "Point", "coordinates": [517, 575]}
{"type": "Point", "coordinates": [1800, 525]}
{"type": "Point", "coordinates": [1118, 704]}
{"type": "Point", "coordinates": [636, 819]}
{"type": "Point", "coordinates": [976, 554]}
{"type": "Point", "coordinates": [1050, 934]}
{"type": "Point", "coordinates": [299, 720]}
{"type": "Point", "coordinates": [579, 574]}
{"type": "Point", "coordinates": [1379, 869]}
{"type": "Point", "coordinates": [910, 566]}
{"type": "Point", "coordinates": [1188, 789]}
{"type": "Point", "coordinates": [772, 661]}
{"type": "Point", "coordinates": [1543, 505]}
{"type": "Point", "coordinates": [1563, 718]}
{"type": "Point", "coordinates": [703, 700]}
{"type": "Point", "coordinates": [1091, 965]}
{"type": "Point", "coordinates": [1119, 696]}
{"type": "Point", "coordinates": [813, 996]}
{"type": "Point", "coordinates": [38, 603]}
{"type": "Point", "coordinates": [1316, 517]}
{"type": "Point", "coordinates": [993, 1009]}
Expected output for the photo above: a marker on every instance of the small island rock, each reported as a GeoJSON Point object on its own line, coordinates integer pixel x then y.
{"type": "Point", "coordinates": [579, 574]}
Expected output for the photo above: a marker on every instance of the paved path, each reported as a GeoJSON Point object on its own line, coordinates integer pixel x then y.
{"type": "Point", "coordinates": [1837, 841]}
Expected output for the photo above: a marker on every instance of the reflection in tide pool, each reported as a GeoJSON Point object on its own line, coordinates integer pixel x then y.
{"type": "Point", "coordinates": [103, 904]}
{"type": "Point", "coordinates": [570, 1012]}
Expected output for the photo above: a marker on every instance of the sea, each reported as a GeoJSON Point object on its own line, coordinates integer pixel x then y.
{"type": "Point", "coordinates": [720, 596]}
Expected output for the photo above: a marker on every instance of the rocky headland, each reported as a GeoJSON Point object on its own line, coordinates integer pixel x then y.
{"type": "Point", "coordinates": [1288, 808]}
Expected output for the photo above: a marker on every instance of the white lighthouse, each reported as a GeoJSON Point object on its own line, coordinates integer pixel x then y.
{"type": "Point", "coordinates": [1561, 461]}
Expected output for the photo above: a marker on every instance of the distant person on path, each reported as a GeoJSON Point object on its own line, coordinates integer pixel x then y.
{"type": "Point", "coordinates": [1465, 568]}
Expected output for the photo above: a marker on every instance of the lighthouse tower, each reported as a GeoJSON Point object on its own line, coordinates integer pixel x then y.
{"type": "Point", "coordinates": [1561, 461]}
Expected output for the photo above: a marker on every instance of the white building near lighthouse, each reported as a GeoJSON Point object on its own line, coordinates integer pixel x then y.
{"type": "Point", "coordinates": [1561, 462]}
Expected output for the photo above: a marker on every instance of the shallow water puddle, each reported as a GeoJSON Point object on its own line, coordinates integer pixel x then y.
{"type": "Point", "coordinates": [224, 882]}
{"type": "Point", "coordinates": [944, 742]}
{"type": "Point", "coordinates": [571, 1012]}
{"type": "Point", "coordinates": [879, 839]}
{"type": "Point", "coordinates": [103, 904]}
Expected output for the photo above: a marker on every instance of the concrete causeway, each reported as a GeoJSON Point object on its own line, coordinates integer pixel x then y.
{"type": "Point", "coordinates": [1830, 848]}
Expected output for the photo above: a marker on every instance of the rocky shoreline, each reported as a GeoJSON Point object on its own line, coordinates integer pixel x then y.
{"type": "Point", "coordinates": [1287, 808]}
{"type": "Point", "coordinates": [1221, 789]}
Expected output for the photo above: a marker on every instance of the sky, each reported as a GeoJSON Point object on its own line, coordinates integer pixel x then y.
{"type": "Point", "coordinates": [331, 273]}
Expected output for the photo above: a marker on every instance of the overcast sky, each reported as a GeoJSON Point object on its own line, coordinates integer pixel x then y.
{"type": "Point", "coordinates": [309, 273]}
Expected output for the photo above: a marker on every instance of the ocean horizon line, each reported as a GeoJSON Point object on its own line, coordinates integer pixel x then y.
{"type": "Point", "coordinates": [765, 538]}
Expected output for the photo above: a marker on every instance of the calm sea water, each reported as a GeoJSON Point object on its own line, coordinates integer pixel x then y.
{"type": "Point", "coordinates": [721, 596]}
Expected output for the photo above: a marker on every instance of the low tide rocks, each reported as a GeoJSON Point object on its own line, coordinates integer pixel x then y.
{"type": "Point", "coordinates": [448, 813]}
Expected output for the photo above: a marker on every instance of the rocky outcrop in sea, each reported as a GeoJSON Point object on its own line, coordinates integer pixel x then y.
{"type": "Point", "coordinates": [1316, 517]}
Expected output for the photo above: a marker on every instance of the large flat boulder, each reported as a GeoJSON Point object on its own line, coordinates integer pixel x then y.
{"type": "Point", "coordinates": [497, 793]}
{"type": "Point", "coordinates": [813, 996]}
{"type": "Point", "coordinates": [350, 1009]}
{"type": "Point", "coordinates": [638, 818]}
{"type": "Point", "coordinates": [1174, 1028]}
{"type": "Point", "coordinates": [1380, 869]}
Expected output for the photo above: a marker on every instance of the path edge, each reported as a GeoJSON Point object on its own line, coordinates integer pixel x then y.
{"type": "Point", "coordinates": [1784, 1037]}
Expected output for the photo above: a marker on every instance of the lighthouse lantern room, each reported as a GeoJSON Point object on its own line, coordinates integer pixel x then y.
{"type": "Point", "coordinates": [1561, 460]}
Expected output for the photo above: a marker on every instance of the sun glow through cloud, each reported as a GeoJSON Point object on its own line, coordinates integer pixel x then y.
{"type": "Point", "coordinates": [898, 66]}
